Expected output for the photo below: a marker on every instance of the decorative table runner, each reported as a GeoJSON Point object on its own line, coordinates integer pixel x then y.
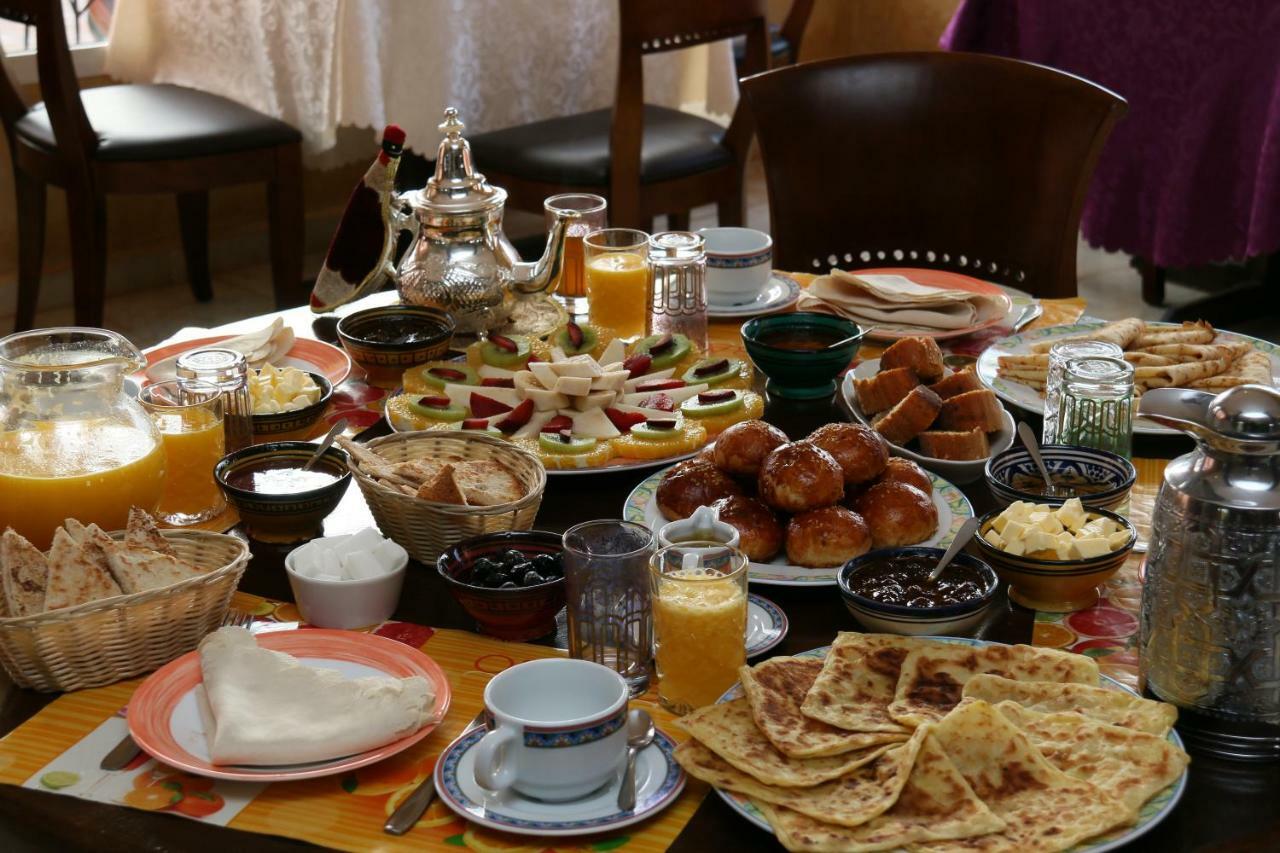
{"type": "Point", "coordinates": [59, 749]}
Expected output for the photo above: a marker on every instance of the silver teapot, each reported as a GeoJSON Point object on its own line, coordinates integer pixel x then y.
{"type": "Point", "coordinates": [1210, 636]}
{"type": "Point", "coordinates": [460, 260]}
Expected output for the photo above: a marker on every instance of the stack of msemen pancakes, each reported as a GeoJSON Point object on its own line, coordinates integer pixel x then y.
{"type": "Point", "coordinates": [895, 742]}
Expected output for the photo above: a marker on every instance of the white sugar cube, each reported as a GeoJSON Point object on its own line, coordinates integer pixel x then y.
{"type": "Point", "coordinates": [389, 555]}
{"type": "Point", "coordinates": [365, 540]}
{"type": "Point", "coordinates": [330, 564]}
{"type": "Point", "coordinates": [325, 577]}
{"type": "Point", "coordinates": [362, 565]}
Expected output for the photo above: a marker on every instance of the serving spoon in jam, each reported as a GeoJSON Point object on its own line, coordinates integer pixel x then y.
{"type": "Point", "coordinates": [963, 535]}
{"type": "Point", "coordinates": [1051, 490]}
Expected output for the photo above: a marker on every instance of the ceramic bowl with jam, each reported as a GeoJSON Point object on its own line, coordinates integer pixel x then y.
{"type": "Point", "coordinates": [276, 499]}
{"type": "Point", "coordinates": [889, 591]}
{"type": "Point", "coordinates": [1099, 478]}
{"type": "Point", "coordinates": [388, 340]}
{"type": "Point", "coordinates": [802, 353]}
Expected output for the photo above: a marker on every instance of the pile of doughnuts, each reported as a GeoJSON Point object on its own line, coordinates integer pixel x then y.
{"type": "Point", "coordinates": [826, 499]}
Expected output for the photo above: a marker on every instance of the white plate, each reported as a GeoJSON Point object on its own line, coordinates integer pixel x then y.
{"type": "Point", "coordinates": [953, 509]}
{"type": "Point", "coordinates": [957, 472]}
{"type": "Point", "coordinates": [1155, 810]}
{"type": "Point", "coordinates": [781, 292]}
{"type": "Point", "coordinates": [659, 781]}
{"type": "Point", "coordinates": [766, 625]}
{"type": "Point", "coordinates": [1028, 398]}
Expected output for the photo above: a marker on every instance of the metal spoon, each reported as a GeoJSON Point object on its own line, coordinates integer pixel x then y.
{"type": "Point", "coordinates": [1033, 447]}
{"type": "Point", "coordinates": [640, 733]}
{"type": "Point", "coordinates": [334, 431]}
{"type": "Point", "coordinates": [963, 535]}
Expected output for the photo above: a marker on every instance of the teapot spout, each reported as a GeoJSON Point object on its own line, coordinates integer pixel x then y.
{"type": "Point", "coordinates": [1179, 409]}
{"type": "Point", "coordinates": [538, 275]}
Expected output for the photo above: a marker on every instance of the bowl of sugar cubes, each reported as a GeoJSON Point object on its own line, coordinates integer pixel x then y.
{"type": "Point", "coordinates": [348, 581]}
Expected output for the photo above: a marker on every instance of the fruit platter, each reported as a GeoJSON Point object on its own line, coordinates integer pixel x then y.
{"type": "Point", "coordinates": [582, 400]}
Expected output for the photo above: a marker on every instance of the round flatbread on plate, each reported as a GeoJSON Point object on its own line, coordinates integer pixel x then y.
{"type": "Point", "coordinates": [947, 281]}
{"type": "Point", "coordinates": [313, 356]}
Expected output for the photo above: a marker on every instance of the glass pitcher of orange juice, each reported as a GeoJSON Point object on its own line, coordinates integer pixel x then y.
{"type": "Point", "coordinates": [73, 444]}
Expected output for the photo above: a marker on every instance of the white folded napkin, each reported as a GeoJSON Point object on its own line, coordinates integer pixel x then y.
{"type": "Point", "coordinates": [267, 708]}
{"type": "Point", "coordinates": [895, 300]}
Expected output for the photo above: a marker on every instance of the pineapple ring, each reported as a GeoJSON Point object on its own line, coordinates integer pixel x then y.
{"type": "Point", "coordinates": [752, 407]}
{"type": "Point", "coordinates": [602, 453]}
{"type": "Point", "coordinates": [688, 437]}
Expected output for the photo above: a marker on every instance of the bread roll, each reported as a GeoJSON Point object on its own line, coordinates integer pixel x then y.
{"type": "Point", "coordinates": [860, 451]}
{"type": "Point", "coordinates": [912, 416]}
{"type": "Point", "coordinates": [899, 470]}
{"type": "Point", "coordinates": [741, 448]}
{"type": "Point", "coordinates": [800, 476]}
{"type": "Point", "coordinates": [971, 409]}
{"type": "Point", "coordinates": [826, 537]}
{"type": "Point", "coordinates": [884, 390]}
{"type": "Point", "coordinates": [955, 445]}
{"type": "Point", "coordinates": [691, 484]}
{"type": "Point", "coordinates": [759, 531]}
{"type": "Point", "coordinates": [897, 514]}
{"type": "Point", "coordinates": [921, 354]}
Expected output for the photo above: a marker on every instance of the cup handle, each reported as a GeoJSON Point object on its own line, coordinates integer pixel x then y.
{"type": "Point", "coordinates": [495, 768]}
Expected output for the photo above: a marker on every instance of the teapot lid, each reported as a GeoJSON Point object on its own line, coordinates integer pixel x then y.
{"type": "Point", "coordinates": [1246, 413]}
{"type": "Point", "coordinates": [456, 187]}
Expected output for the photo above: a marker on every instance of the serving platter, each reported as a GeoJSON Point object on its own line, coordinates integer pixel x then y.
{"type": "Point", "coordinates": [1029, 399]}
{"type": "Point", "coordinates": [947, 281]}
{"type": "Point", "coordinates": [953, 509]}
{"type": "Point", "coordinates": [313, 356]}
{"type": "Point", "coordinates": [165, 717]}
{"type": "Point", "coordinates": [1151, 814]}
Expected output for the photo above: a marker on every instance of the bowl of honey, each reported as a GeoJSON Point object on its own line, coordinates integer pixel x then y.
{"type": "Point", "coordinates": [276, 499]}
{"type": "Point", "coordinates": [803, 353]}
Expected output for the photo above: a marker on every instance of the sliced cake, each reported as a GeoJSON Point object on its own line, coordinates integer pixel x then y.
{"type": "Point", "coordinates": [972, 409]}
{"type": "Point", "coordinates": [912, 416]}
{"type": "Point", "coordinates": [955, 445]}
{"type": "Point", "coordinates": [884, 390]}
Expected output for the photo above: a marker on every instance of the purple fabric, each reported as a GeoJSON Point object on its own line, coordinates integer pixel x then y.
{"type": "Point", "coordinates": [1192, 174]}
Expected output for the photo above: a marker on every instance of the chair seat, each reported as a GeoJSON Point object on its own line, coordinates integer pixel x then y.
{"type": "Point", "coordinates": [574, 150]}
{"type": "Point", "coordinates": [162, 122]}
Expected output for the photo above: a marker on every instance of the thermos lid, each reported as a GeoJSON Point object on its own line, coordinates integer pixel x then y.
{"type": "Point", "coordinates": [1246, 412]}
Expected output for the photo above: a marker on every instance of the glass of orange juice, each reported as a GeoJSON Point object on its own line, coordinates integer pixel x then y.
{"type": "Point", "coordinates": [188, 414]}
{"type": "Point", "coordinates": [699, 599]}
{"type": "Point", "coordinates": [592, 211]}
{"type": "Point", "coordinates": [618, 274]}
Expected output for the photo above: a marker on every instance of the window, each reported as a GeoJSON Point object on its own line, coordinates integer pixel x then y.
{"type": "Point", "coordinates": [88, 25]}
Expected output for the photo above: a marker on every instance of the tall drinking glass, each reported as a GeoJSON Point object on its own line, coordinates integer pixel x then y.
{"type": "Point", "coordinates": [592, 213]}
{"type": "Point", "coordinates": [617, 271]}
{"type": "Point", "coordinates": [699, 594]}
{"type": "Point", "coordinates": [1059, 355]}
{"type": "Point", "coordinates": [606, 565]}
{"type": "Point", "coordinates": [188, 414]}
{"type": "Point", "coordinates": [1096, 408]}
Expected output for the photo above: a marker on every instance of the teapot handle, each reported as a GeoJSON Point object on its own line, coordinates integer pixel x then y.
{"type": "Point", "coordinates": [1178, 408]}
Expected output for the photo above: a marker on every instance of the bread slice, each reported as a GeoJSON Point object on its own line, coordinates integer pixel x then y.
{"type": "Point", "coordinates": [142, 532]}
{"type": "Point", "coordinates": [960, 382]}
{"type": "Point", "coordinates": [972, 409]}
{"type": "Point", "coordinates": [443, 488]}
{"type": "Point", "coordinates": [75, 576]}
{"type": "Point", "coordinates": [24, 577]}
{"type": "Point", "coordinates": [487, 483]}
{"type": "Point", "coordinates": [956, 446]}
{"type": "Point", "coordinates": [921, 354]}
{"type": "Point", "coordinates": [140, 569]}
{"type": "Point", "coordinates": [884, 390]}
{"type": "Point", "coordinates": [910, 417]}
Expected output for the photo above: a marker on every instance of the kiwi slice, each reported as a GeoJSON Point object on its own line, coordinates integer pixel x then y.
{"type": "Point", "coordinates": [552, 442]}
{"type": "Point", "coordinates": [429, 407]}
{"type": "Point", "coordinates": [710, 403]}
{"type": "Point", "coordinates": [565, 337]}
{"type": "Point", "coordinates": [507, 351]}
{"type": "Point", "coordinates": [713, 371]}
{"type": "Point", "coordinates": [487, 430]}
{"type": "Point", "coordinates": [438, 374]}
{"type": "Point", "coordinates": [665, 350]}
{"type": "Point", "coordinates": [648, 432]}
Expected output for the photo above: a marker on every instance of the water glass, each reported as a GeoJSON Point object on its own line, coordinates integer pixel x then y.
{"type": "Point", "coordinates": [606, 565]}
{"type": "Point", "coordinates": [1058, 357]}
{"type": "Point", "coordinates": [189, 416]}
{"type": "Point", "coordinates": [229, 371]}
{"type": "Point", "coordinates": [678, 302]}
{"type": "Point", "coordinates": [699, 592]}
{"type": "Point", "coordinates": [617, 276]}
{"type": "Point", "coordinates": [592, 215]}
{"type": "Point", "coordinates": [1096, 406]}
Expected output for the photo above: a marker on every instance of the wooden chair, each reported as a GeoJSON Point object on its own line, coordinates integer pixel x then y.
{"type": "Point", "coordinates": [942, 160]}
{"type": "Point", "coordinates": [647, 160]}
{"type": "Point", "coordinates": [784, 39]}
{"type": "Point", "coordinates": [137, 139]}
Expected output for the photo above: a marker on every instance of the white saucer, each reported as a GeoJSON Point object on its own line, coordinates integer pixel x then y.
{"type": "Point", "coordinates": [782, 291]}
{"type": "Point", "coordinates": [766, 625]}
{"type": "Point", "coordinates": [659, 781]}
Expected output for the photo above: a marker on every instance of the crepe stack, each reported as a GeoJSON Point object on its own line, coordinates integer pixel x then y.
{"type": "Point", "coordinates": [1192, 355]}
{"type": "Point", "coordinates": [895, 300]}
{"type": "Point", "coordinates": [894, 742]}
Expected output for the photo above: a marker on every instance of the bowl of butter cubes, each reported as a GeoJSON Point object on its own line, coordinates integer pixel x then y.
{"type": "Point", "coordinates": [348, 581]}
{"type": "Point", "coordinates": [1054, 556]}
{"type": "Point", "coordinates": [286, 400]}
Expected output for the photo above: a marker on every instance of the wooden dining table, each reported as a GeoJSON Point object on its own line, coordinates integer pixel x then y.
{"type": "Point", "coordinates": [1227, 806]}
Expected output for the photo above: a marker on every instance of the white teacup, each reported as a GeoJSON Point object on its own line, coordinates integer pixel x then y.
{"type": "Point", "coordinates": [739, 262]}
{"type": "Point", "coordinates": [557, 729]}
{"type": "Point", "coordinates": [703, 526]}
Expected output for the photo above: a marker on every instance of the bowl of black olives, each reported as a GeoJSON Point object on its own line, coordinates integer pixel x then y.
{"type": "Point", "coordinates": [511, 583]}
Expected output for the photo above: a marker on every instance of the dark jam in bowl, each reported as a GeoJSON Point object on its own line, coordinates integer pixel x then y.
{"type": "Point", "coordinates": [804, 338]}
{"type": "Point", "coordinates": [395, 330]}
{"type": "Point", "coordinates": [284, 477]}
{"type": "Point", "coordinates": [903, 579]}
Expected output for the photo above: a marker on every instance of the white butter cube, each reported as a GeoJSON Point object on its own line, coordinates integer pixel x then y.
{"type": "Point", "coordinates": [1038, 540]}
{"type": "Point", "coordinates": [1015, 531]}
{"type": "Point", "coordinates": [362, 565]}
{"type": "Point", "coordinates": [1087, 549]}
{"type": "Point", "coordinates": [1016, 547]}
{"type": "Point", "coordinates": [1049, 524]}
{"type": "Point", "coordinates": [1118, 539]}
{"type": "Point", "coordinates": [998, 524]}
{"type": "Point", "coordinates": [1072, 514]}
{"type": "Point", "coordinates": [994, 539]}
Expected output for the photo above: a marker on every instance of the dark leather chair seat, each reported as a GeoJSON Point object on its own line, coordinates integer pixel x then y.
{"type": "Point", "coordinates": [161, 122]}
{"type": "Point", "coordinates": [574, 150]}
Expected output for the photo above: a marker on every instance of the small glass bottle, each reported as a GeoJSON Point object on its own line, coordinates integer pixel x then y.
{"type": "Point", "coordinates": [679, 297]}
{"type": "Point", "coordinates": [228, 370]}
{"type": "Point", "coordinates": [1058, 358]}
{"type": "Point", "coordinates": [1096, 406]}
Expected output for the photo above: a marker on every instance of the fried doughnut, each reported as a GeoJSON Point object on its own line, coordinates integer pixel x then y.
{"type": "Point", "coordinates": [826, 537]}
{"type": "Point", "coordinates": [897, 514]}
{"type": "Point", "coordinates": [742, 447]}
{"type": "Point", "coordinates": [691, 484]}
{"type": "Point", "coordinates": [860, 451]}
{"type": "Point", "coordinates": [800, 476]}
{"type": "Point", "coordinates": [901, 470]}
{"type": "Point", "coordinates": [759, 531]}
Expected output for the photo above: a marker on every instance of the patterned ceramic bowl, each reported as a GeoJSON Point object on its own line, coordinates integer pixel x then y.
{"type": "Point", "coordinates": [1110, 471]}
{"type": "Point", "coordinates": [516, 614]}
{"type": "Point", "coordinates": [1054, 586]}
{"type": "Point", "coordinates": [954, 620]}
{"type": "Point", "coordinates": [288, 517]}
{"type": "Point", "coordinates": [803, 374]}
{"type": "Point", "coordinates": [283, 424]}
{"type": "Point", "coordinates": [369, 336]}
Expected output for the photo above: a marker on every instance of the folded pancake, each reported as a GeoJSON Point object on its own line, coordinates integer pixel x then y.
{"type": "Point", "coordinates": [76, 575]}
{"type": "Point", "coordinates": [1178, 375]}
{"type": "Point", "coordinates": [851, 800]}
{"type": "Point", "coordinates": [729, 730]}
{"type": "Point", "coordinates": [138, 569]}
{"type": "Point", "coordinates": [858, 680]}
{"type": "Point", "coordinates": [933, 678]}
{"type": "Point", "coordinates": [143, 533]}
{"type": "Point", "coordinates": [267, 708]}
{"type": "Point", "coordinates": [1122, 333]}
{"type": "Point", "coordinates": [1198, 332]}
{"type": "Point", "coordinates": [1129, 765]}
{"type": "Point", "coordinates": [936, 803]}
{"type": "Point", "coordinates": [775, 690]}
{"type": "Point", "coordinates": [24, 574]}
{"type": "Point", "coordinates": [1179, 353]}
{"type": "Point", "coordinates": [1044, 808]}
{"type": "Point", "coordinates": [1114, 707]}
{"type": "Point", "coordinates": [1252, 368]}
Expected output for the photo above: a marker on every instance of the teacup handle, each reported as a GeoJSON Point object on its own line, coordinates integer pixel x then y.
{"type": "Point", "coordinates": [495, 768]}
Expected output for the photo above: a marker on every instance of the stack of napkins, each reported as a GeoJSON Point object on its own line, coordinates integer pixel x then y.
{"type": "Point", "coordinates": [894, 300]}
{"type": "Point", "coordinates": [264, 707]}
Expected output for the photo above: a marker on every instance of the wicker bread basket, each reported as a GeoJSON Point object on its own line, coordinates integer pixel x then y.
{"type": "Point", "coordinates": [105, 641]}
{"type": "Point", "coordinates": [426, 528]}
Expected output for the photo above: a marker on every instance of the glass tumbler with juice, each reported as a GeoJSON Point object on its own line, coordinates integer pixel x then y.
{"type": "Point", "coordinates": [618, 276]}
{"type": "Point", "coordinates": [188, 414]}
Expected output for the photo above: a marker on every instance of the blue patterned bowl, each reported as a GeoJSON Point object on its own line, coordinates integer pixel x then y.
{"type": "Point", "coordinates": [952, 620]}
{"type": "Point", "coordinates": [1102, 467]}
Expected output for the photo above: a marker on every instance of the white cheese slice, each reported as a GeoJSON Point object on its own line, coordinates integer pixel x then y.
{"type": "Point", "coordinates": [525, 379]}
{"type": "Point", "coordinates": [460, 395]}
{"type": "Point", "coordinates": [614, 351]}
{"type": "Point", "coordinates": [593, 423]}
{"type": "Point", "coordinates": [679, 395]}
{"type": "Point", "coordinates": [546, 375]}
{"type": "Point", "coordinates": [557, 354]}
{"type": "Point", "coordinates": [536, 422]}
{"type": "Point", "coordinates": [594, 400]}
{"type": "Point", "coordinates": [544, 400]}
{"type": "Point", "coordinates": [488, 371]}
{"type": "Point", "coordinates": [579, 365]}
{"type": "Point", "coordinates": [573, 386]}
{"type": "Point", "coordinates": [610, 381]}
{"type": "Point", "coordinates": [649, 377]}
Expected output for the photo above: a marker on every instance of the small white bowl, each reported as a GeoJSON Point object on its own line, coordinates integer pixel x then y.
{"type": "Point", "coordinates": [739, 263]}
{"type": "Point", "coordinates": [346, 604]}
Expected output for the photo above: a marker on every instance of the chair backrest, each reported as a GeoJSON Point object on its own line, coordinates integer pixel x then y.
{"type": "Point", "coordinates": [953, 161]}
{"type": "Point", "coordinates": [657, 26]}
{"type": "Point", "coordinates": [794, 25]}
{"type": "Point", "coordinates": [59, 86]}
